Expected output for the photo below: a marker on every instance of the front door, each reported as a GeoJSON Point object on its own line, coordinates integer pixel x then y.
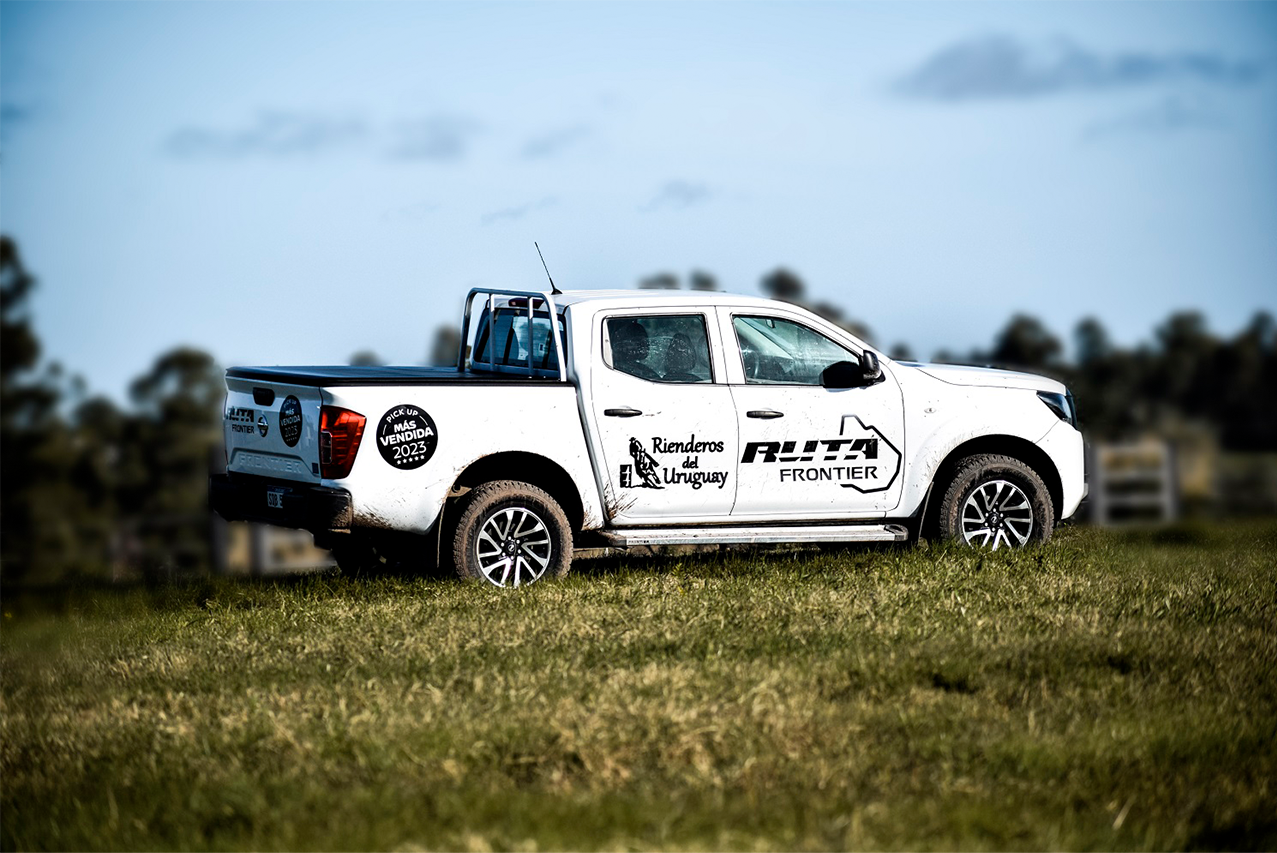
{"type": "Point", "coordinates": [665, 421]}
{"type": "Point", "coordinates": [809, 451]}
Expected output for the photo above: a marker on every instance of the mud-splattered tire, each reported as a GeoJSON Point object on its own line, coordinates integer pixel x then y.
{"type": "Point", "coordinates": [511, 534]}
{"type": "Point", "coordinates": [996, 501]}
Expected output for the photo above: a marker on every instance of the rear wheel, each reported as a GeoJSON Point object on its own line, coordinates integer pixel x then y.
{"type": "Point", "coordinates": [511, 534]}
{"type": "Point", "coordinates": [996, 502]}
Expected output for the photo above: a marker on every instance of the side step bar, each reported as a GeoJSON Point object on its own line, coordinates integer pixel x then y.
{"type": "Point", "coordinates": [625, 537]}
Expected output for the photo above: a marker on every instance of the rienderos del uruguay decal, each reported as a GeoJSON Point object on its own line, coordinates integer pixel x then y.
{"type": "Point", "coordinates": [647, 471]}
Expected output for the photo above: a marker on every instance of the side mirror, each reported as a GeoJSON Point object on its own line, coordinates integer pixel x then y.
{"type": "Point", "coordinates": [842, 374]}
{"type": "Point", "coordinates": [869, 366]}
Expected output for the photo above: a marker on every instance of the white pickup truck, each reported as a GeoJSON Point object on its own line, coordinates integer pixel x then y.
{"type": "Point", "coordinates": [619, 418]}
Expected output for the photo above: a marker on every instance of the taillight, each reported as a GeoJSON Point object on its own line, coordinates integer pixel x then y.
{"type": "Point", "coordinates": [339, 433]}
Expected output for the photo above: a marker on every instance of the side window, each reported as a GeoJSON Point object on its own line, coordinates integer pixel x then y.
{"type": "Point", "coordinates": [669, 348]}
{"type": "Point", "coordinates": [781, 352]}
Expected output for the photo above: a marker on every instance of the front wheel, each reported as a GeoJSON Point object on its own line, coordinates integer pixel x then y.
{"type": "Point", "coordinates": [996, 502]}
{"type": "Point", "coordinates": [511, 534]}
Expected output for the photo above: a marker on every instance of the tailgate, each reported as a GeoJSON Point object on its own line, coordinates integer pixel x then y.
{"type": "Point", "coordinates": [272, 429]}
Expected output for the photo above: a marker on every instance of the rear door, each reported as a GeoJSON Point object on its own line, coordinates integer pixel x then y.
{"type": "Point", "coordinates": [663, 415]}
{"type": "Point", "coordinates": [272, 429]}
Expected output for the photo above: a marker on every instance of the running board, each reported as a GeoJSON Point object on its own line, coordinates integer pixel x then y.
{"type": "Point", "coordinates": [625, 537]}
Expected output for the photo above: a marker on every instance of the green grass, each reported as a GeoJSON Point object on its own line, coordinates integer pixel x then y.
{"type": "Point", "coordinates": [1107, 691]}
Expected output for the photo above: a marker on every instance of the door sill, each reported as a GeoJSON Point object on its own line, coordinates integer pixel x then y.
{"type": "Point", "coordinates": [752, 535]}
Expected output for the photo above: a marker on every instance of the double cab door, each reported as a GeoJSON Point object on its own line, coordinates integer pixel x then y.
{"type": "Point", "coordinates": [718, 415]}
{"type": "Point", "coordinates": [664, 417]}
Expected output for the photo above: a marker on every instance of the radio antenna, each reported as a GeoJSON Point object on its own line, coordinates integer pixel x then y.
{"type": "Point", "coordinates": [553, 290]}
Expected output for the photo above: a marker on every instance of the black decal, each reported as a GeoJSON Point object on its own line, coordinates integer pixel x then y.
{"type": "Point", "coordinates": [290, 420]}
{"type": "Point", "coordinates": [241, 420]}
{"type": "Point", "coordinates": [646, 472]}
{"type": "Point", "coordinates": [870, 448]}
{"type": "Point", "coordinates": [644, 464]}
{"type": "Point", "coordinates": [858, 443]}
{"type": "Point", "coordinates": [768, 449]}
{"type": "Point", "coordinates": [407, 437]}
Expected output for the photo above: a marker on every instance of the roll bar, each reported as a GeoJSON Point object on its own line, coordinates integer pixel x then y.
{"type": "Point", "coordinates": [531, 295]}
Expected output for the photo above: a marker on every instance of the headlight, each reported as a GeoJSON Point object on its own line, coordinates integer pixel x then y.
{"type": "Point", "coordinates": [1062, 405]}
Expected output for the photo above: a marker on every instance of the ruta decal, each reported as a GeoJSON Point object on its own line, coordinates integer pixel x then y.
{"type": "Point", "coordinates": [407, 437]}
{"type": "Point", "coordinates": [646, 472]}
{"type": "Point", "coordinates": [877, 461]}
{"type": "Point", "coordinates": [241, 419]}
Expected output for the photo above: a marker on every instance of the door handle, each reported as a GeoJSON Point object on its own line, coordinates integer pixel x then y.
{"type": "Point", "coordinates": [764, 414]}
{"type": "Point", "coordinates": [627, 412]}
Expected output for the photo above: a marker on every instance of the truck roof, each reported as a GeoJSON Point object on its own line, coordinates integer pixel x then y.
{"type": "Point", "coordinates": [668, 297]}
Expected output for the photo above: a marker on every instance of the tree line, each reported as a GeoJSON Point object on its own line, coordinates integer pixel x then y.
{"type": "Point", "coordinates": [92, 487]}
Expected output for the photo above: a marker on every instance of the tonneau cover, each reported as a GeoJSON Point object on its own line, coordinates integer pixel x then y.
{"type": "Point", "coordinates": [338, 375]}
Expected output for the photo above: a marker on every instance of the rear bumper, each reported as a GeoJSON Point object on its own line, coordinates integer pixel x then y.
{"type": "Point", "coordinates": [313, 508]}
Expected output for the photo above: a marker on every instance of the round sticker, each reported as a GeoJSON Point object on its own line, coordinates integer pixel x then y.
{"type": "Point", "coordinates": [407, 437]}
{"type": "Point", "coordinates": [290, 420]}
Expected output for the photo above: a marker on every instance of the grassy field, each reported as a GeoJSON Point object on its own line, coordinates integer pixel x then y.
{"type": "Point", "coordinates": [1107, 691]}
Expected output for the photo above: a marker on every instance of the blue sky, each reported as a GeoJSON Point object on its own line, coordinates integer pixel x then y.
{"type": "Point", "coordinates": [294, 182]}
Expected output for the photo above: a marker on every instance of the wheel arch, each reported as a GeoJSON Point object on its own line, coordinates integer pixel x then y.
{"type": "Point", "coordinates": [1003, 445]}
{"type": "Point", "coordinates": [528, 468]}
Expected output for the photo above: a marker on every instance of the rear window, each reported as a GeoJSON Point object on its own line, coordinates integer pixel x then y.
{"type": "Point", "coordinates": [510, 344]}
{"type": "Point", "coordinates": [669, 348]}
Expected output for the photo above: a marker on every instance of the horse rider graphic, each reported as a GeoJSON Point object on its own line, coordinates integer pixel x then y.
{"type": "Point", "coordinates": [645, 465]}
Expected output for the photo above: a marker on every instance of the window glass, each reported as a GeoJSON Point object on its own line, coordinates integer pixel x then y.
{"type": "Point", "coordinates": [781, 352]}
{"type": "Point", "coordinates": [658, 349]}
{"type": "Point", "coordinates": [506, 341]}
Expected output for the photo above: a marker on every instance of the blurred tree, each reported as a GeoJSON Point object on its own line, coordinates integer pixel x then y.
{"type": "Point", "coordinates": [901, 352]}
{"type": "Point", "coordinates": [365, 358]}
{"type": "Point", "coordinates": [34, 447]}
{"type": "Point", "coordinates": [1246, 402]}
{"type": "Point", "coordinates": [1106, 382]}
{"type": "Point", "coordinates": [1186, 377]}
{"type": "Point", "coordinates": [1026, 343]}
{"type": "Point", "coordinates": [167, 450]}
{"type": "Point", "coordinates": [703, 281]}
{"type": "Point", "coordinates": [660, 281]}
{"type": "Point", "coordinates": [446, 347]}
{"type": "Point", "coordinates": [19, 349]}
{"type": "Point", "coordinates": [1092, 342]}
{"type": "Point", "coordinates": [784, 285]}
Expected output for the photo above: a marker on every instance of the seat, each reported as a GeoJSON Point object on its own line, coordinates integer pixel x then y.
{"type": "Point", "coordinates": [680, 360]}
{"type": "Point", "coordinates": [630, 349]}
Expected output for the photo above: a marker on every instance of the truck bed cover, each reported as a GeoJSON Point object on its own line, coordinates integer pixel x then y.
{"type": "Point", "coordinates": [341, 375]}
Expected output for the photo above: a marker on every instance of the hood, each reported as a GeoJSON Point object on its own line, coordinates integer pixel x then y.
{"type": "Point", "coordinates": [987, 377]}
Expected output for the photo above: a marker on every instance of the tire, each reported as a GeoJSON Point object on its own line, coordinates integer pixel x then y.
{"type": "Point", "coordinates": [996, 501]}
{"type": "Point", "coordinates": [511, 534]}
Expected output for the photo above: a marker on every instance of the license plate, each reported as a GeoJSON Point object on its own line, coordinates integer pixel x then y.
{"type": "Point", "coordinates": [275, 498]}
